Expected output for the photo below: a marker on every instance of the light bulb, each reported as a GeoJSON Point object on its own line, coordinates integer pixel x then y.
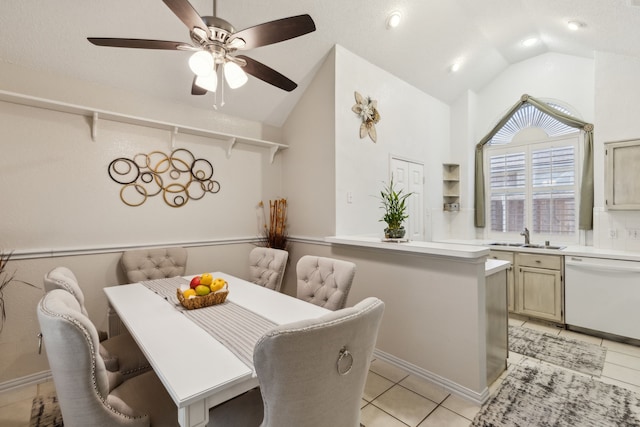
{"type": "Point", "coordinates": [208, 82]}
{"type": "Point", "coordinates": [394, 18]}
{"type": "Point", "coordinates": [575, 25]}
{"type": "Point", "coordinates": [201, 63]}
{"type": "Point", "coordinates": [235, 75]}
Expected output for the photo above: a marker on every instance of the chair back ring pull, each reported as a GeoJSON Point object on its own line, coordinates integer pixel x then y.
{"type": "Point", "coordinates": [345, 361]}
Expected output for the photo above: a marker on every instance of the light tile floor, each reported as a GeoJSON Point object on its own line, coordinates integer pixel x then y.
{"type": "Point", "coordinates": [393, 397]}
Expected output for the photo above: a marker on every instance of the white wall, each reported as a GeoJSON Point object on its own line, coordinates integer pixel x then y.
{"type": "Point", "coordinates": [309, 162]}
{"type": "Point", "coordinates": [413, 125]}
{"type": "Point", "coordinates": [460, 225]}
{"type": "Point", "coordinates": [616, 118]}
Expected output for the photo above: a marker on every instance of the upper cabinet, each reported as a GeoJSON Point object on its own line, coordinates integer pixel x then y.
{"type": "Point", "coordinates": [622, 183]}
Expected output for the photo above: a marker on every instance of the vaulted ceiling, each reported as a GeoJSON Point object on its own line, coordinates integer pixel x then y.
{"type": "Point", "coordinates": [484, 35]}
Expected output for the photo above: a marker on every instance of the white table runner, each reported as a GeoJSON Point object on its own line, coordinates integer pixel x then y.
{"type": "Point", "coordinates": [240, 339]}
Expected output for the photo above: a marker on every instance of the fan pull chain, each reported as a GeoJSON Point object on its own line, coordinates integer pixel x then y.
{"type": "Point", "coordinates": [222, 88]}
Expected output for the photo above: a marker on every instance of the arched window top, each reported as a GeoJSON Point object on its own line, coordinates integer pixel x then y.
{"type": "Point", "coordinates": [529, 116]}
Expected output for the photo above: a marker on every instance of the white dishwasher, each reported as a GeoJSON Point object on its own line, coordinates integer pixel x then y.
{"type": "Point", "coordinates": [603, 295]}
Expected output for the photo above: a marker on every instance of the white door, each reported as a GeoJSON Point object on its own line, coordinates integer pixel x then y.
{"type": "Point", "coordinates": [409, 177]}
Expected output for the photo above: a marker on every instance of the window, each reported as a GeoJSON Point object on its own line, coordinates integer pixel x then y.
{"type": "Point", "coordinates": [533, 184]}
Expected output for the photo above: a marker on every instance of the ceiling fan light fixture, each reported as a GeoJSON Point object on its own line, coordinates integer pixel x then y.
{"type": "Point", "coordinates": [201, 63]}
{"type": "Point", "coordinates": [234, 75]}
{"type": "Point", "coordinates": [394, 18]}
{"type": "Point", "coordinates": [208, 82]}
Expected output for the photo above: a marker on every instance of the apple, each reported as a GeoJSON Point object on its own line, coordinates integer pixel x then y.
{"type": "Point", "coordinates": [194, 282]}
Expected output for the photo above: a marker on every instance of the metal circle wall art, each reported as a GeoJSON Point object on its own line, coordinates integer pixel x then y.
{"type": "Point", "coordinates": [179, 177]}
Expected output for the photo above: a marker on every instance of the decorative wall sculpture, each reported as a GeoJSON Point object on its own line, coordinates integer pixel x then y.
{"type": "Point", "coordinates": [179, 177]}
{"type": "Point", "coordinates": [367, 110]}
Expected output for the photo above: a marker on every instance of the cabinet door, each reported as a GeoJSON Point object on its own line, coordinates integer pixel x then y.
{"type": "Point", "coordinates": [539, 293]}
{"type": "Point", "coordinates": [511, 291]}
{"type": "Point", "coordinates": [622, 178]}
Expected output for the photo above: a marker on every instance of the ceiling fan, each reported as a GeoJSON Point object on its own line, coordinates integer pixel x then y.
{"type": "Point", "coordinates": [214, 43]}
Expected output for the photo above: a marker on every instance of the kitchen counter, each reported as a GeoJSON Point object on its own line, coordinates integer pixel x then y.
{"type": "Point", "coordinates": [493, 266]}
{"type": "Point", "coordinates": [575, 250]}
{"type": "Point", "coordinates": [445, 249]}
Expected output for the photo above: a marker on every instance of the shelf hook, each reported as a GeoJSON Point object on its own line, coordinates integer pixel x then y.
{"type": "Point", "coordinates": [94, 126]}
{"type": "Point", "coordinates": [173, 138]}
{"type": "Point", "coordinates": [231, 142]}
{"type": "Point", "coordinates": [273, 150]}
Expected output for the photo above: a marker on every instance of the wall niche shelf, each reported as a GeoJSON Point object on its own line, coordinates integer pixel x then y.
{"type": "Point", "coordinates": [451, 187]}
{"type": "Point", "coordinates": [96, 115]}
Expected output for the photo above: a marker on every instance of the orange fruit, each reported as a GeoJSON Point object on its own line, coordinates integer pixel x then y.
{"type": "Point", "coordinates": [189, 292]}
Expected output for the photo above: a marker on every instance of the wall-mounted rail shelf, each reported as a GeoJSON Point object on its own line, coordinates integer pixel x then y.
{"type": "Point", "coordinates": [96, 115]}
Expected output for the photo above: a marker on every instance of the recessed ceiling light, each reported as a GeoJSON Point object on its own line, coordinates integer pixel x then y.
{"type": "Point", "coordinates": [394, 18]}
{"type": "Point", "coordinates": [575, 25]}
{"type": "Point", "coordinates": [529, 42]}
{"type": "Point", "coordinates": [455, 66]}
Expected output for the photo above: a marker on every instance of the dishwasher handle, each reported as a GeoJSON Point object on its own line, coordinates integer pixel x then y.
{"type": "Point", "coordinates": [586, 265]}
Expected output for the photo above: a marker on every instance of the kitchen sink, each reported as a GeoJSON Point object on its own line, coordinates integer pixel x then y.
{"type": "Point", "coordinates": [529, 245]}
{"type": "Point", "coordinates": [542, 246]}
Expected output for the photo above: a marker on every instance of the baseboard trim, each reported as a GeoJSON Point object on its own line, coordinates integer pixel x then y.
{"type": "Point", "coordinates": [32, 379]}
{"type": "Point", "coordinates": [452, 387]}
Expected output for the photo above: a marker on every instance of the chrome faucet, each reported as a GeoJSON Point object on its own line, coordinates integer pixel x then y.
{"type": "Point", "coordinates": [525, 233]}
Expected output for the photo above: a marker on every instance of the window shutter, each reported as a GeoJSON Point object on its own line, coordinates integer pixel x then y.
{"type": "Point", "coordinates": [553, 181]}
{"type": "Point", "coordinates": [507, 175]}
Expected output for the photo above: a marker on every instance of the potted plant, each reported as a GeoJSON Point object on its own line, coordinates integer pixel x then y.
{"type": "Point", "coordinates": [395, 211]}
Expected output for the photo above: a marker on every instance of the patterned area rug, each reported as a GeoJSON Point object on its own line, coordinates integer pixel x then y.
{"type": "Point", "coordinates": [568, 353]}
{"type": "Point", "coordinates": [542, 395]}
{"type": "Point", "coordinates": [45, 412]}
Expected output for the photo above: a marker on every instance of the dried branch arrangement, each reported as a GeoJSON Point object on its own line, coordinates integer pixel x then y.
{"type": "Point", "coordinates": [274, 234]}
{"type": "Point", "coordinates": [5, 279]}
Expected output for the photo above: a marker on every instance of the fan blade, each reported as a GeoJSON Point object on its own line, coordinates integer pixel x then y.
{"type": "Point", "coordinates": [187, 14]}
{"type": "Point", "coordinates": [266, 74]}
{"type": "Point", "coordinates": [275, 31]}
{"type": "Point", "coordinates": [139, 43]}
{"type": "Point", "coordinates": [197, 90]}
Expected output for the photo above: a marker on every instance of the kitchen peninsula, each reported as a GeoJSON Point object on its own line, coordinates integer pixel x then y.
{"type": "Point", "coordinates": [445, 308]}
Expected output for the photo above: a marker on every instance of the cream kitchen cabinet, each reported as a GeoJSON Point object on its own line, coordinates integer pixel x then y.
{"type": "Point", "coordinates": [535, 284]}
{"type": "Point", "coordinates": [539, 286]}
{"type": "Point", "coordinates": [622, 179]}
{"type": "Point", "coordinates": [507, 256]}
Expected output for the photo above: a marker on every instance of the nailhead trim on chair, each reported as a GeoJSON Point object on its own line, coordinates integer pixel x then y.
{"type": "Point", "coordinates": [87, 337]}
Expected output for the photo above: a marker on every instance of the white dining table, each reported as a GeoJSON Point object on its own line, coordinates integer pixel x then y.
{"type": "Point", "coordinates": [198, 370]}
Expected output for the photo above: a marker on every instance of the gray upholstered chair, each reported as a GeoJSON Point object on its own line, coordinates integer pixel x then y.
{"type": "Point", "coordinates": [120, 353]}
{"type": "Point", "coordinates": [324, 281]}
{"type": "Point", "coordinates": [88, 394]}
{"type": "Point", "coordinates": [157, 263]}
{"type": "Point", "coordinates": [148, 264]}
{"type": "Point", "coordinates": [312, 373]}
{"type": "Point", "coordinates": [266, 267]}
